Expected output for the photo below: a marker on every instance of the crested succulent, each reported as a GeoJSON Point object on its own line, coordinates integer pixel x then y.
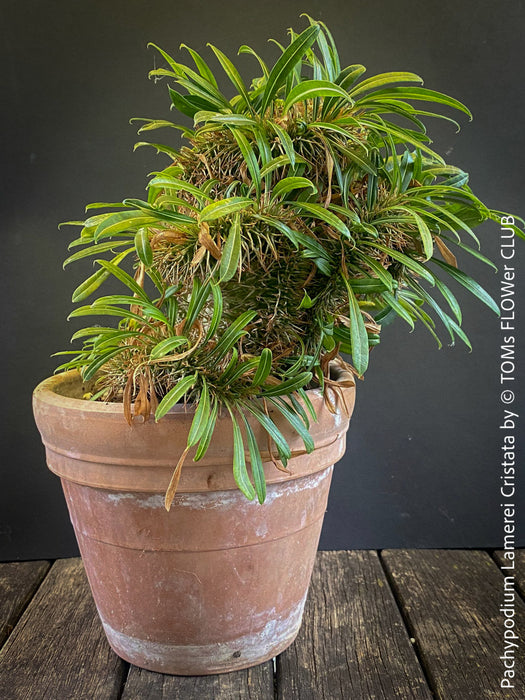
{"type": "Point", "coordinates": [306, 210]}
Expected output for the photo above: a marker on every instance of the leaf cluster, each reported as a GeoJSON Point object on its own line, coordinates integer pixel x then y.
{"type": "Point", "coordinates": [306, 211]}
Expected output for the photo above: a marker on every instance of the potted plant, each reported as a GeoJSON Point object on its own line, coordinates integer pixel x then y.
{"type": "Point", "coordinates": [195, 437]}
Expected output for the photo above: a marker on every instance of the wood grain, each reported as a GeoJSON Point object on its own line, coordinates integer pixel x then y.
{"type": "Point", "coordinates": [18, 583]}
{"type": "Point", "coordinates": [251, 684]}
{"type": "Point", "coordinates": [451, 600]}
{"type": "Point", "coordinates": [58, 649]}
{"type": "Point", "coordinates": [353, 643]}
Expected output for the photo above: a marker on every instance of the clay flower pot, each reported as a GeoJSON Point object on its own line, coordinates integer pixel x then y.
{"type": "Point", "coordinates": [219, 582]}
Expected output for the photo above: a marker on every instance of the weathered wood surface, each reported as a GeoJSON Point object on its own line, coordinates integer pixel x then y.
{"type": "Point", "coordinates": [18, 583]}
{"type": "Point", "coordinates": [519, 570]}
{"type": "Point", "coordinates": [252, 684]}
{"type": "Point", "coordinates": [451, 601]}
{"type": "Point", "coordinates": [353, 643]}
{"type": "Point", "coordinates": [58, 650]}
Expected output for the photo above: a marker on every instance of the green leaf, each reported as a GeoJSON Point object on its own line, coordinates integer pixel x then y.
{"type": "Point", "coordinates": [232, 251]}
{"type": "Point", "coordinates": [449, 298]}
{"type": "Point", "coordinates": [208, 432]}
{"type": "Point", "coordinates": [120, 221]}
{"type": "Point", "coordinates": [286, 63]}
{"type": "Point", "coordinates": [225, 207]}
{"type": "Point", "coordinates": [217, 311]}
{"type": "Point", "coordinates": [90, 371]}
{"type": "Point", "coordinates": [398, 307]}
{"type": "Point", "coordinates": [264, 367]}
{"type": "Point", "coordinates": [174, 395]}
{"type": "Point", "coordinates": [93, 282]}
{"type": "Point", "coordinates": [248, 49]}
{"type": "Point", "coordinates": [272, 430]}
{"type": "Point", "coordinates": [417, 93]}
{"type": "Point", "coordinates": [201, 65]}
{"type": "Point", "coordinates": [250, 158]}
{"type": "Point", "coordinates": [288, 184]}
{"type": "Point", "coordinates": [471, 285]}
{"type": "Point", "coordinates": [233, 74]}
{"type": "Point", "coordinates": [167, 346]}
{"type": "Point", "coordinates": [227, 119]}
{"type": "Point", "coordinates": [143, 247]}
{"type": "Point", "coordinates": [360, 352]}
{"type": "Point", "coordinates": [174, 183]}
{"type": "Point", "coordinates": [286, 142]}
{"type": "Point", "coordinates": [124, 278]}
{"type": "Point", "coordinates": [159, 147]}
{"type": "Point", "coordinates": [309, 89]}
{"type": "Point", "coordinates": [384, 79]}
{"type": "Point", "coordinates": [240, 473]}
{"type": "Point", "coordinates": [319, 212]}
{"type": "Point", "coordinates": [95, 250]}
{"type": "Point", "coordinates": [232, 334]}
{"type": "Point", "coordinates": [201, 417]}
{"type": "Point", "coordinates": [162, 214]}
{"type": "Point", "coordinates": [295, 421]}
{"type": "Point", "coordinates": [406, 260]}
{"type": "Point", "coordinates": [255, 461]}
{"type": "Point", "coordinates": [288, 386]}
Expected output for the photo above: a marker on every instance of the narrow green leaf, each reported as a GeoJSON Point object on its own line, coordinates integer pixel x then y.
{"type": "Point", "coordinates": [255, 462]}
{"type": "Point", "coordinates": [233, 74]}
{"type": "Point", "coordinates": [406, 260]}
{"type": "Point", "coordinates": [295, 421]}
{"type": "Point", "coordinates": [208, 432]}
{"type": "Point", "coordinates": [175, 183]}
{"type": "Point", "coordinates": [95, 250]}
{"type": "Point", "coordinates": [232, 334]}
{"type": "Point", "coordinates": [86, 288]}
{"type": "Point", "coordinates": [264, 367]}
{"type": "Point", "coordinates": [286, 63]}
{"type": "Point", "coordinates": [309, 89]}
{"type": "Point", "coordinates": [272, 430]}
{"type": "Point", "coordinates": [167, 346]}
{"type": "Point", "coordinates": [201, 65]}
{"type": "Point", "coordinates": [287, 386]}
{"type": "Point", "coordinates": [384, 79]}
{"type": "Point", "coordinates": [232, 251]}
{"type": "Point", "coordinates": [240, 473]}
{"type": "Point", "coordinates": [360, 352]}
{"type": "Point", "coordinates": [174, 395]}
{"type": "Point", "coordinates": [471, 285]}
{"type": "Point", "coordinates": [250, 158]}
{"type": "Point", "coordinates": [225, 207]}
{"type": "Point", "coordinates": [90, 371]}
{"type": "Point", "coordinates": [143, 247]}
{"type": "Point", "coordinates": [319, 212]}
{"type": "Point", "coordinates": [123, 276]}
{"type": "Point", "coordinates": [201, 416]}
{"type": "Point", "coordinates": [286, 142]}
{"type": "Point", "coordinates": [288, 184]}
{"type": "Point", "coordinates": [419, 93]}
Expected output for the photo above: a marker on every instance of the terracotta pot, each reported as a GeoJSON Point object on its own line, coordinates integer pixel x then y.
{"type": "Point", "coordinates": [219, 582]}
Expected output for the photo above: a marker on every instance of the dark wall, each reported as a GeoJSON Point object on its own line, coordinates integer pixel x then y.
{"type": "Point", "coordinates": [423, 461]}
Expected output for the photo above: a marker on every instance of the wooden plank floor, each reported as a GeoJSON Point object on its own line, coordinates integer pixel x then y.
{"type": "Point", "coordinates": [396, 624]}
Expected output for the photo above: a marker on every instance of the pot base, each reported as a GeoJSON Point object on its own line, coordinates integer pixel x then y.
{"type": "Point", "coordinates": [200, 660]}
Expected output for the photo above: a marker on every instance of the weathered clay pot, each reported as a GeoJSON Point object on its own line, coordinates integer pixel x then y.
{"type": "Point", "coordinates": [219, 582]}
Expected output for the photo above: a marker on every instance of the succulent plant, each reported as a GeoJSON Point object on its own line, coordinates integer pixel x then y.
{"type": "Point", "coordinates": [306, 211]}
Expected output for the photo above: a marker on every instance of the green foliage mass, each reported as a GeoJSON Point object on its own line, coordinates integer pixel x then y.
{"type": "Point", "coordinates": [306, 211]}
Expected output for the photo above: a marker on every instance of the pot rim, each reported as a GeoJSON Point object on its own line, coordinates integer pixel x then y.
{"type": "Point", "coordinates": [47, 391]}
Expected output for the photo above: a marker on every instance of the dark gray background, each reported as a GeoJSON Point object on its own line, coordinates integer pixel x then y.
{"type": "Point", "coordinates": [422, 465]}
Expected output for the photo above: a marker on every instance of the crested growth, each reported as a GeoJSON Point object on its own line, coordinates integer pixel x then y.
{"type": "Point", "coordinates": [306, 210]}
